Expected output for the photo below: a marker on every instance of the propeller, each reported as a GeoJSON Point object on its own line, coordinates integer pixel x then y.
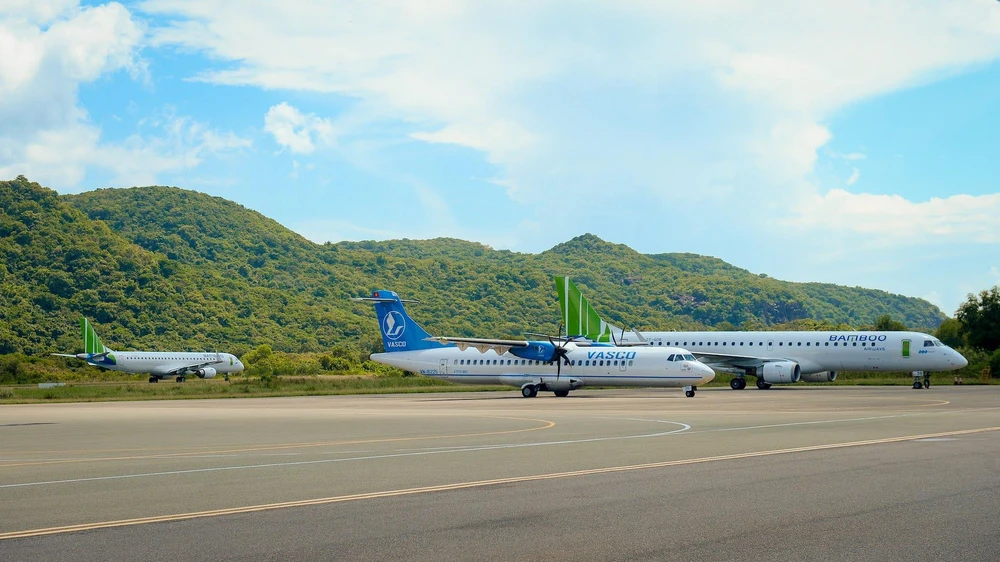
{"type": "Point", "coordinates": [560, 351]}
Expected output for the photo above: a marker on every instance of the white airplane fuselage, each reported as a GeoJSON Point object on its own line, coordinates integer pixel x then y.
{"type": "Point", "coordinates": [819, 351]}
{"type": "Point", "coordinates": [166, 363]}
{"type": "Point", "coordinates": [590, 366]}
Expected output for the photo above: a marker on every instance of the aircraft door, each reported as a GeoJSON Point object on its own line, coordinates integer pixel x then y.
{"type": "Point", "coordinates": [443, 367]}
{"type": "Point", "coordinates": [906, 348]}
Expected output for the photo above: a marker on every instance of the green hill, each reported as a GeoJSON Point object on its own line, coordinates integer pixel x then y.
{"type": "Point", "coordinates": [161, 267]}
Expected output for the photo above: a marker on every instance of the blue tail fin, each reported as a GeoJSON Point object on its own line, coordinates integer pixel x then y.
{"type": "Point", "coordinates": [399, 331]}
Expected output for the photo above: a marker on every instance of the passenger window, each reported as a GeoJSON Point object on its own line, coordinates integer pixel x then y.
{"type": "Point", "coordinates": [799, 344]}
{"type": "Point", "coordinates": [630, 363]}
{"type": "Point", "coordinates": [781, 343]}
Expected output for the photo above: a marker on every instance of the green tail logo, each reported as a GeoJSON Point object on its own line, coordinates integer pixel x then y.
{"type": "Point", "coordinates": [579, 317]}
{"type": "Point", "coordinates": [92, 343]}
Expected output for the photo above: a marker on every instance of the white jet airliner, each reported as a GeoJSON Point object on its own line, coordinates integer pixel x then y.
{"type": "Point", "coordinates": [158, 364]}
{"type": "Point", "coordinates": [775, 357]}
{"type": "Point", "coordinates": [528, 365]}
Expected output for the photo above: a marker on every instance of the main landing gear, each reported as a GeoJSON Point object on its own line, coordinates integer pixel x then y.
{"type": "Point", "coordinates": [154, 379]}
{"type": "Point", "coordinates": [181, 379]}
{"type": "Point", "coordinates": [739, 382]}
{"type": "Point", "coordinates": [531, 391]}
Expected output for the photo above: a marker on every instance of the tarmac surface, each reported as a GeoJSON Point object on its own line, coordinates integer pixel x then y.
{"type": "Point", "coordinates": [800, 473]}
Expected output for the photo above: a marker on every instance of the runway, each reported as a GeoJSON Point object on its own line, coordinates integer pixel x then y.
{"type": "Point", "coordinates": [835, 473]}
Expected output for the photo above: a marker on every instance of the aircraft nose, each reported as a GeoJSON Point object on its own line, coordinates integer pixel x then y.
{"type": "Point", "coordinates": [961, 361]}
{"type": "Point", "coordinates": [706, 372]}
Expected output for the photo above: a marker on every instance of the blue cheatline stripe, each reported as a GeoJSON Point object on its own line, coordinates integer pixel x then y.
{"type": "Point", "coordinates": [650, 377]}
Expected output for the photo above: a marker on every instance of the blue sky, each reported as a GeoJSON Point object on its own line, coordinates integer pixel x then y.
{"type": "Point", "coordinates": [852, 143]}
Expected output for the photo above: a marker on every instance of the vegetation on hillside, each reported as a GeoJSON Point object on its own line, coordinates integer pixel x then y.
{"type": "Point", "coordinates": [164, 268]}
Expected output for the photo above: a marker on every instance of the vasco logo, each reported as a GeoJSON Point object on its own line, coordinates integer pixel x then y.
{"type": "Point", "coordinates": [393, 325]}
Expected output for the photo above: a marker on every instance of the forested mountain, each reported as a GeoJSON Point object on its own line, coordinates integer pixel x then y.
{"type": "Point", "coordinates": [161, 267]}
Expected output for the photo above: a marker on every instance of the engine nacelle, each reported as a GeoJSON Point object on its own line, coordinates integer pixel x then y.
{"type": "Point", "coordinates": [780, 372]}
{"type": "Point", "coordinates": [535, 351]}
{"type": "Point", "coordinates": [822, 376]}
{"type": "Point", "coordinates": [205, 372]}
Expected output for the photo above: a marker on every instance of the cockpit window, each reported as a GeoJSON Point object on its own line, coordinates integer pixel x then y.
{"type": "Point", "coordinates": [928, 343]}
{"type": "Point", "coordinates": [671, 358]}
{"type": "Point", "coordinates": [689, 357]}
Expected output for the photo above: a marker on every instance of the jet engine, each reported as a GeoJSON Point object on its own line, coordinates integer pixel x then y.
{"type": "Point", "coordinates": [822, 376]}
{"type": "Point", "coordinates": [205, 372]}
{"type": "Point", "coordinates": [780, 372]}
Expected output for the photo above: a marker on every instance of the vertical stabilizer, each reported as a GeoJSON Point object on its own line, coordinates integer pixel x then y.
{"type": "Point", "coordinates": [92, 344]}
{"type": "Point", "coordinates": [399, 331]}
{"type": "Point", "coordinates": [579, 317]}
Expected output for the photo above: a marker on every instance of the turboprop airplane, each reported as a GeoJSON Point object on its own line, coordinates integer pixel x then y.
{"type": "Point", "coordinates": [532, 366]}
{"type": "Point", "coordinates": [158, 364]}
{"type": "Point", "coordinates": [775, 357]}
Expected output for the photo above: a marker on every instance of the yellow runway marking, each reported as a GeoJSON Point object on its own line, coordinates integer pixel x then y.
{"type": "Point", "coordinates": [546, 425]}
{"type": "Point", "coordinates": [466, 485]}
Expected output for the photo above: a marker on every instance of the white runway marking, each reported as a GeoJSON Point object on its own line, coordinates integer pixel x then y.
{"type": "Point", "coordinates": [466, 449]}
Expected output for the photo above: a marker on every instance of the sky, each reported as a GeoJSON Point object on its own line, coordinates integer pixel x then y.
{"type": "Point", "coordinates": [853, 142]}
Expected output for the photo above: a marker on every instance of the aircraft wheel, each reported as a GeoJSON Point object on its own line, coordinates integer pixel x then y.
{"type": "Point", "coordinates": [529, 391]}
{"type": "Point", "coordinates": [763, 385]}
{"type": "Point", "coordinates": [154, 379]}
{"type": "Point", "coordinates": [689, 393]}
{"type": "Point", "coordinates": [738, 384]}
{"type": "Point", "coordinates": [917, 385]}
{"type": "Point", "coordinates": [561, 393]}
{"type": "Point", "coordinates": [181, 379]}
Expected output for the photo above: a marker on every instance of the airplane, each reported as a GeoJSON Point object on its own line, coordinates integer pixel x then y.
{"type": "Point", "coordinates": [158, 364]}
{"type": "Point", "coordinates": [775, 357]}
{"type": "Point", "coordinates": [532, 366]}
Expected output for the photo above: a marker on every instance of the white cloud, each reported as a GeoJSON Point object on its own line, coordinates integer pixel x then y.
{"type": "Point", "coordinates": [519, 80]}
{"type": "Point", "coordinates": [297, 131]}
{"type": "Point", "coordinates": [884, 220]}
{"type": "Point", "coordinates": [854, 177]}
{"type": "Point", "coordinates": [47, 50]}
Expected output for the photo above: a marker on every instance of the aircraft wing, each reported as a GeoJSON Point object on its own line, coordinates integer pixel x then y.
{"type": "Point", "coordinates": [192, 367]}
{"type": "Point", "coordinates": [711, 358]}
{"type": "Point", "coordinates": [482, 344]}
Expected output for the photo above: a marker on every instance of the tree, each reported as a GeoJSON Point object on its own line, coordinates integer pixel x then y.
{"type": "Point", "coordinates": [885, 323]}
{"type": "Point", "coordinates": [950, 333]}
{"type": "Point", "coordinates": [980, 318]}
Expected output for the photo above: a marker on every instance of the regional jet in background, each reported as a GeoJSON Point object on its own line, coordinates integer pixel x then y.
{"type": "Point", "coordinates": [774, 357]}
{"type": "Point", "coordinates": [158, 364]}
{"type": "Point", "coordinates": [529, 365]}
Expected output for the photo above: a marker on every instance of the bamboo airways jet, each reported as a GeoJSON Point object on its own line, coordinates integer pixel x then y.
{"type": "Point", "coordinates": [158, 364]}
{"type": "Point", "coordinates": [775, 357]}
{"type": "Point", "coordinates": [529, 365]}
